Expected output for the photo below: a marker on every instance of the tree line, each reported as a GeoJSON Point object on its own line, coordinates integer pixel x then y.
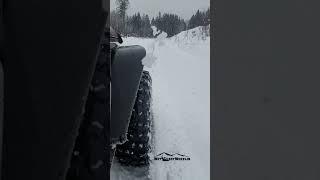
{"type": "Point", "coordinates": [172, 24]}
{"type": "Point", "coordinates": [201, 18]}
{"type": "Point", "coordinates": [139, 25]}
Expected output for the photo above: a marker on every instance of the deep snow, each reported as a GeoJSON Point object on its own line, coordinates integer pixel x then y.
{"type": "Point", "coordinates": [180, 71]}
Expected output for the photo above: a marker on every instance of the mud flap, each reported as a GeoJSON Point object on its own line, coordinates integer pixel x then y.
{"type": "Point", "coordinates": [49, 57]}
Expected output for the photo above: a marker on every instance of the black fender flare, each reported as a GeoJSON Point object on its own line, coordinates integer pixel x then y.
{"type": "Point", "coordinates": [126, 71]}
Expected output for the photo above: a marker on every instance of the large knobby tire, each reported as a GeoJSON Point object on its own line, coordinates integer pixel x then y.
{"type": "Point", "coordinates": [134, 152]}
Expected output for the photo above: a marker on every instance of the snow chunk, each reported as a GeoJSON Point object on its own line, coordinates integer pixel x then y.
{"type": "Point", "coordinates": [149, 60]}
{"type": "Point", "coordinates": [155, 30]}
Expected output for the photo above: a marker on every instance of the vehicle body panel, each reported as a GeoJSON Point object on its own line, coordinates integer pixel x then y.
{"type": "Point", "coordinates": [49, 57]}
{"type": "Point", "coordinates": [1, 112]}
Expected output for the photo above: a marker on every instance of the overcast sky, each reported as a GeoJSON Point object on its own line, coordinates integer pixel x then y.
{"type": "Point", "coordinates": [183, 8]}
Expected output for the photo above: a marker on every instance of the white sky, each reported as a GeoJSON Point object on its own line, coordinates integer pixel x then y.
{"type": "Point", "coordinates": [183, 8]}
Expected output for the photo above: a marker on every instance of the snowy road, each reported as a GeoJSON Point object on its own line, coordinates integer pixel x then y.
{"type": "Point", "coordinates": [180, 70]}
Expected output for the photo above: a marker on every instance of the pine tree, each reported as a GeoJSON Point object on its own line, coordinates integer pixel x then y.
{"type": "Point", "coordinates": [122, 7]}
{"type": "Point", "coordinates": [152, 22]}
{"type": "Point", "coordinates": [199, 19]}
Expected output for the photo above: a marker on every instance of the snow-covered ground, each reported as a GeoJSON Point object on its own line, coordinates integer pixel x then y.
{"type": "Point", "coordinates": [180, 70]}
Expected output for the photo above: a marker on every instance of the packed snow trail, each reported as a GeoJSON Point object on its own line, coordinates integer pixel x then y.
{"type": "Point", "coordinates": [180, 71]}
